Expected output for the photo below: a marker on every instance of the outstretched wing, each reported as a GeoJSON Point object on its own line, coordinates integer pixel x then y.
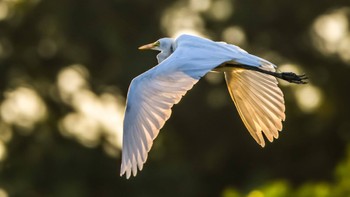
{"type": "Point", "coordinates": [152, 95]}
{"type": "Point", "coordinates": [259, 101]}
{"type": "Point", "coordinates": [150, 99]}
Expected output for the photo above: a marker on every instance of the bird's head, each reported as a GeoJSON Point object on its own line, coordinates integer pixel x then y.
{"type": "Point", "coordinates": [165, 45]}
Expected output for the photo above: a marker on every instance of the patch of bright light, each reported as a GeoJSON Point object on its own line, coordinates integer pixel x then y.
{"type": "Point", "coordinates": [112, 121]}
{"type": "Point", "coordinates": [234, 35]}
{"type": "Point", "coordinates": [23, 107]}
{"type": "Point", "coordinates": [344, 49]}
{"type": "Point", "coordinates": [180, 17]}
{"type": "Point", "coordinates": [221, 10]}
{"type": "Point", "coordinates": [82, 128]}
{"type": "Point", "coordinates": [4, 10]}
{"type": "Point", "coordinates": [95, 117]}
{"type": "Point", "coordinates": [256, 193]}
{"type": "Point", "coordinates": [71, 79]}
{"type": "Point", "coordinates": [87, 103]}
{"type": "Point", "coordinates": [308, 97]}
{"type": "Point", "coordinates": [2, 151]}
{"type": "Point", "coordinates": [331, 27]}
{"type": "Point", "coordinates": [199, 5]}
{"type": "Point", "coordinates": [3, 193]}
{"type": "Point", "coordinates": [331, 34]}
{"type": "Point", "coordinates": [106, 110]}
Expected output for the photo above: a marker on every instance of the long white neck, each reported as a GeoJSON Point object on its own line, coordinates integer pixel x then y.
{"type": "Point", "coordinates": [163, 55]}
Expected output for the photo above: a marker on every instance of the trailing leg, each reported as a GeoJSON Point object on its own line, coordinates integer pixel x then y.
{"type": "Point", "coordinates": [287, 76]}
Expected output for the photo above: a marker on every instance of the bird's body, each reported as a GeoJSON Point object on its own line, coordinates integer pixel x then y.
{"type": "Point", "coordinates": [182, 62]}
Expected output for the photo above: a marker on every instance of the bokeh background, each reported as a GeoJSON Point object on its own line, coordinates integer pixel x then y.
{"type": "Point", "coordinates": [65, 67]}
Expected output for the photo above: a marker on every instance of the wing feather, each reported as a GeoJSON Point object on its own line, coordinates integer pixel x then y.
{"type": "Point", "coordinates": [261, 93]}
{"type": "Point", "coordinates": [259, 112]}
{"type": "Point", "coordinates": [149, 104]}
{"type": "Point", "coordinates": [259, 101]}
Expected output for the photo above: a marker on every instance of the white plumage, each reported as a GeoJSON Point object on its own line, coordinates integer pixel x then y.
{"type": "Point", "coordinates": [182, 62]}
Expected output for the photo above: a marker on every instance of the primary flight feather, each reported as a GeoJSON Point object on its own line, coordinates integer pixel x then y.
{"type": "Point", "coordinates": [251, 82]}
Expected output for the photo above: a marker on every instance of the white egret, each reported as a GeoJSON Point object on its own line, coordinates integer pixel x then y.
{"type": "Point", "coordinates": [251, 82]}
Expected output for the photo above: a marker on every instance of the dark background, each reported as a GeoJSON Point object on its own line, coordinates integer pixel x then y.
{"type": "Point", "coordinates": [54, 143]}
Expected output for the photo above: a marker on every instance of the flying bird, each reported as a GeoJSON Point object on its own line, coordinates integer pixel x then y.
{"type": "Point", "coordinates": [251, 82]}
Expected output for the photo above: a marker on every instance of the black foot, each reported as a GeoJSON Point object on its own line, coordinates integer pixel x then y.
{"type": "Point", "coordinates": [294, 78]}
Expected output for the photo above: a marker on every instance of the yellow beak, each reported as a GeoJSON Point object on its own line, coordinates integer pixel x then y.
{"type": "Point", "coordinates": [147, 46]}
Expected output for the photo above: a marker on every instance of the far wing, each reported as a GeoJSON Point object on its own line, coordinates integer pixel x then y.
{"type": "Point", "coordinates": [150, 99]}
{"type": "Point", "coordinates": [259, 102]}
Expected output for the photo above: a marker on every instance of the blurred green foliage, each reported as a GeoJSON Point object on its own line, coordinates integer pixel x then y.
{"type": "Point", "coordinates": [338, 187]}
{"type": "Point", "coordinates": [204, 149]}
